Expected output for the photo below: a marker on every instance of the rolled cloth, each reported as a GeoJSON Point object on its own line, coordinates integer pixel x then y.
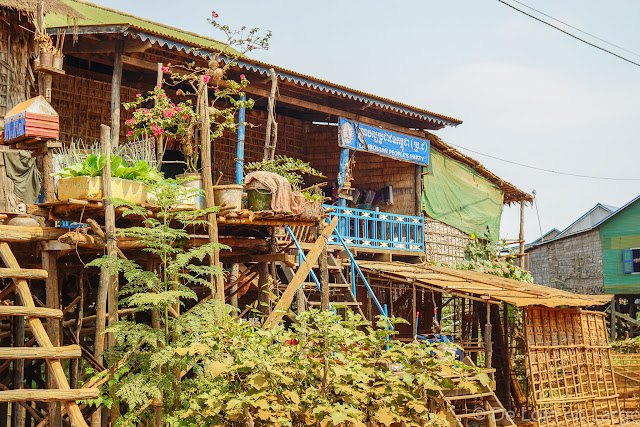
{"type": "Point", "coordinates": [283, 198]}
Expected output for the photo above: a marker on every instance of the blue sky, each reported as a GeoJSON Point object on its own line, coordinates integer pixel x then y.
{"type": "Point", "coordinates": [525, 92]}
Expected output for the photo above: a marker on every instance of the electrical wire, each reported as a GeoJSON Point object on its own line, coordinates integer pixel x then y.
{"type": "Point", "coordinates": [569, 34]}
{"type": "Point", "coordinates": [542, 169]}
{"type": "Point", "coordinates": [577, 29]}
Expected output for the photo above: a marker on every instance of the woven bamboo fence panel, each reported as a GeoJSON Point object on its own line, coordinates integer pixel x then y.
{"type": "Point", "coordinates": [15, 50]}
{"type": "Point", "coordinates": [569, 367]}
{"type": "Point", "coordinates": [444, 243]}
{"type": "Point", "coordinates": [627, 372]}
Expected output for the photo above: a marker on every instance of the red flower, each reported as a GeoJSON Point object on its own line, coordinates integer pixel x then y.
{"type": "Point", "coordinates": [206, 78]}
{"type": "Point", "coordinates": [242, 76]}
{"type": "Point", "coordinates": [130, 133]}
{"type": "Point", "coordinates": [164, 69]}
{"type": "Point", "coordinates": [138, 95]}
{"type": "Point", "coordinates": [214, 14]}
{"type": "Point", "coordinates": [292, 341]}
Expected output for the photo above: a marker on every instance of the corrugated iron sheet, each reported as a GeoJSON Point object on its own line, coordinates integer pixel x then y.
{"type": "Point", "coordinates": [481, 285]}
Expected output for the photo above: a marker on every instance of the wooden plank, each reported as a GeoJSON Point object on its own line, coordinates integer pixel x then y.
{"type": "Point", "coordinates": [287, 296]}
{"type": "Point", "coordinates": [37, 328]}
{"type": "Point", "coordinates": [23, 273]}
{"type": "Point", "coordinates": [19, 310]}
{"type": "Point", "coordinates": [68, 396]}
{"type": "Point", "coordinates": [66, 352]}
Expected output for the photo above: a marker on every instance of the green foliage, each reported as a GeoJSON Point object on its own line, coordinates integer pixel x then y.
{"type": "Point", "coordinates": [630, 345]}
{"type": "Point", "coordinates": [93, 164]}
{"type": "Point", "coordinates": [291, 169]}
{"type": "Point", "coordinates": [483, 256]}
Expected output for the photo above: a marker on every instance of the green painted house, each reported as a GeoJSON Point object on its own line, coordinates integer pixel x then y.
{"type": "Point", "coordinates": [599, 253]}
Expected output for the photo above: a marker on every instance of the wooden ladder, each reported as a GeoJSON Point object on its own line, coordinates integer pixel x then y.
{"type": "Point", "coordinates": [46, 349]}
{"type": "Point", "coordinates": [464, 406]}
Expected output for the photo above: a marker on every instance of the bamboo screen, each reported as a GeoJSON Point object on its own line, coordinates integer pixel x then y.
{"type": "Point", "coordinates": [569, 367]}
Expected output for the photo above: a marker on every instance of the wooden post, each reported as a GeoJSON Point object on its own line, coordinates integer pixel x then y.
{"type": "Point", "coordinates": [612, 319]}
{"type": "Point", "coordinates": [264, 291]}
{"type": "Point", "coordinates": [488, 349]}
{"type": "Point", "coordinates": [235, 272]}
{"type": "Point", "coordinates": [54, 328]}
{"type": "Point", "coordinates": [521, 236]}
{"type": "Point", "coordinates": [324, 273]}
{"type": "Point", "coordinates": [507, 353]}
{"type": "Point", "coordinates": [207, 182]}
{"type": "Point", "coordinates": [300, 301]}
{"type": "Point", "coordinates": [116, 80]}
{"type": "Point", "coordinates": [272, 126]}
{"type": "Point", "coordinates": [414, 312]}
{"type": "Point", "coordinates": [17, 417]}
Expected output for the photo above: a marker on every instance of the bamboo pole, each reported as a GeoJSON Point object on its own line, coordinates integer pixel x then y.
{"type": "Point", "coordinates": [521, 236]}
{"type": "Point", "coordinates": [17, 418]}
{"type": "Point", "coordinates": [324, 274]}
{"type": "Point", "coordinates": [18, 310]}
{"type": "Point", "coordinates": [50, 264]}
{"type": "Point", "coordinates": [20, 353]}
{"type": "Point", "coordinates": [207, 183]}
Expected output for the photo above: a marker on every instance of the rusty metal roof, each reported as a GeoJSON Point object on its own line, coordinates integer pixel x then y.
{"type": "Point", "coordinates": [493, 289]}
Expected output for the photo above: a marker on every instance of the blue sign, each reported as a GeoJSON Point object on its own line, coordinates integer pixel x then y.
{"type": "Point", "coordinates": [361, 137]}
{"type": "Point", "coordinates": [15, 128]}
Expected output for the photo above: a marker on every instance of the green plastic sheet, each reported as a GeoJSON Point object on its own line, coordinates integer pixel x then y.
{"type": "Point", "coordinates": [456, 195]}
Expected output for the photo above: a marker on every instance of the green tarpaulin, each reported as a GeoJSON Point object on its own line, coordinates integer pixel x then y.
{"type": "Point", "coordinates": [456, 195]}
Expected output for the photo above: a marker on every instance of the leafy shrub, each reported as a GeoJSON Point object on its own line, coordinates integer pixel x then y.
{"type": "Point", "coordinates": [291, 169]}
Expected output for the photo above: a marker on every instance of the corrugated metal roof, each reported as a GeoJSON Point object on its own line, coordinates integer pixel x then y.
{"type": "Point", "coordinates": [94, 14]}
{"type": "Point", "coordinates": [480, 285]}
{"type": "Point", "coordinates": [173, 38]}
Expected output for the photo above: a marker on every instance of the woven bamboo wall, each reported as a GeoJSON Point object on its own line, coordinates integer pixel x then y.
{"type": "Point", "coordinates": [371, 172]}
{"type": "Point", "coordinates": [16, 48]}
{"type": "Point", "coordinates": [444, 243]}
{"type": "Point", "coordinates": [291, 141]}
{"type": "Point", "coordinates": [84, 104]}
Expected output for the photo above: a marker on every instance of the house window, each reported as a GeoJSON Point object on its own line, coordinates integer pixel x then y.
{"type": "Point", "coordinates": [631, 260]}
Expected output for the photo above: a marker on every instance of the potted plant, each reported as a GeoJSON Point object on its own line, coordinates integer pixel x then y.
{"type": "Point", "coordinates": [292, 169]}
{"type": "Point", "coordinates": [313, 199]}
{"type": "Point", "coordinates": [83, 180]}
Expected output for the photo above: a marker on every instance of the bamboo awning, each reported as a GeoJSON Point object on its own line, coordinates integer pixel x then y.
{"type": "Point", "coordinates": [478, 285]}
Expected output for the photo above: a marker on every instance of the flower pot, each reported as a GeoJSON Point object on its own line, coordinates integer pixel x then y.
{"type": "Point", "coordinates": [259, 199]}
{"type": "Point", "coordinates": [87, 187]}
{"type": "Point", "coordinates": [312, 208]}
{"type": "Point", "coordinates": [229, 194]}
{"type": "Point", "coordinates": [46, 59]}
{"type": "Point", "coordinates": [57, 62]}
{"type": "Point", "coordinates": [195, 201]}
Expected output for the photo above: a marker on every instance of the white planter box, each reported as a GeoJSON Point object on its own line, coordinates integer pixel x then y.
{"type": "Point", "coordinates": [86, 187]}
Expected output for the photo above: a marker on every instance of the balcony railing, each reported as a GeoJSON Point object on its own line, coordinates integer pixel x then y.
{"type": "Point", "coordinates": [381, 230]}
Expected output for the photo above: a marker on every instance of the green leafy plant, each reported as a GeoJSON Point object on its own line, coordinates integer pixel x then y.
{"type": "Point", "coordinates": [93, 165]}
{"type": "Point", "coordinates": [291, 169]}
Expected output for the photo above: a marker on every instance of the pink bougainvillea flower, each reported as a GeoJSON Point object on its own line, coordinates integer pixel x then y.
{"type": "Point", "coordinates": [130, 121]}
{"type": "Point", "coordinates": [138, 95]}
{"type": "Point", "coordinates": [168, 114]}
{"type": "Point", "coordinates": [185, 117]}
{"type": "Point", "coordinates": [164, 69]}
{"type": "Point", "coordinates": [178, 109]}
{"type": "Point", "coordinates": [244, 27]}
{"type": "Point", "coordinates": [179, 92]}
{"type": "Point", "coordinates": [214, 14]}
{"type": "Point", "coordinates": [206, 78]}
{"type": "Point", "coordinates": [130, 133]}
{"type": "Point", "coordinates": [217, 90]}
{"type": "Point", "coordinates": [242, 76]}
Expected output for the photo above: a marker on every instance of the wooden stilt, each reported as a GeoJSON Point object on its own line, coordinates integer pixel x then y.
{"type": "Point", "coordinates": [17, 418]}
{"type": "Point", "coordinates": [235, 272]}
{"type": "Point", "coordinates": [264, 291]}
{"type": "Point", "coordinates": [324, 274]}
{"type": "Point", "coordinates": [521, 235]}
{"type": "Point", "coordinates": [54, 328]}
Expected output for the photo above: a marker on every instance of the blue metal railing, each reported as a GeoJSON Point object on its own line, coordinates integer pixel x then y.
{"type": "Point", "coordinates": [356, 269]}
{"type": "Point", "coordinates": [302, 258]}
{"type": "Point", "coordinates": [382, 230]}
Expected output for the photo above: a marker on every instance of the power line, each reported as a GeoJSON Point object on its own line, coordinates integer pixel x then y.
{"type": "Point", "coordinates": [542, 169]}
{"type": "Point", "coordinates": [569, 34]}
{"type": "Point", "coordinates": [576, 28]}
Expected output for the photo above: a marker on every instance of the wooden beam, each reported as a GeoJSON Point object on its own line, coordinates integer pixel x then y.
{"type": "Point", "coordinates": [283, 304]}
{"type": "Point", "coordinates": [13, 233]}
{"type": "Point", "coordinates": [26, 395]}
{"type": "Point", "coordinates": [107, 46]}
{"type": "Point", "coordinates": [37, 328]}
{"type": "Point", "coordinates": [19, 310]}
{"type": "Point", "coordinates": [23, 273]}
{"type": "Point", "coordinates": [66, 352]}
{"type": "Point", "coordinates": [54, 328]}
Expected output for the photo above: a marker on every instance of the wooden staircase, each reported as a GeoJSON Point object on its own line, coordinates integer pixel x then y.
{"type": "Point", "coordinates": [340, 290]}
{"type": "Point", "coordinates": [465, 407]}
{"type": "Point", "coordinates": [46, 350]}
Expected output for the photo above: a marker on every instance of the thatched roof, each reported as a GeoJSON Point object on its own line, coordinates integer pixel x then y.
{"type": "Point", "coordinates": [50, 6]}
